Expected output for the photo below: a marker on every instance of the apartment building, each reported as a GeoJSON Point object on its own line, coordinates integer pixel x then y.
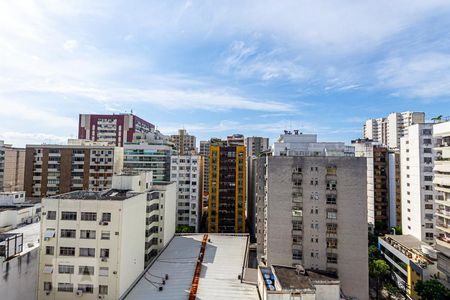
{"type": "Point", "coordinates": [186, 172]}
{"type": "Point", "coordinates": [256, 145]}
{"type": "Point", "coordinates": [2, 164]}
{"type": "Point", "coordinates": [92, 244]}
{"type": "Point", "coordinates": [13, 168]}
{"type": "Point", "coordinates": [184, 143]}
{"type": "Point", "coordinates": [297, 143]}
{"type": "Point", "coordinates": [227, 189]}
{"type": "Point", "coordinates": [236, 139]}
{"type": "Point", "coordinates": [441, 133]}
{"type": "Point", "coordinates": [388, 130]}
{"type": "Point", "coordinates": [417, 158]}
{"type": "Point", "coordinates": [204, 151]}
{"type": "Point", "coordinates": [116, 129]}
{"type": "Point", "coordinates": [395, 192]}
{"type": "Point", "coordinates": [16, 210]}
{"type": "Point", "coordinates": [80, 165]}
{"type": "Point", "coordinates": [309, 212]}
{"type": "Point", "coordinates": [149, 156]}
{"type": "Point", "coordinates": [378, 197]}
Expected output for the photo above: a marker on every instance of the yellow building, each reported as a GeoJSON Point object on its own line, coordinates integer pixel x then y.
{"type": "Point", "coordinates": [227, 189]}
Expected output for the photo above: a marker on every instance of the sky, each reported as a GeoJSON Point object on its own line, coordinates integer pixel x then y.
{"type": "Point", "coordinates": [221, 67]}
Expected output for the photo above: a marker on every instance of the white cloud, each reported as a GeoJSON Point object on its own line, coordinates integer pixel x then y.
{"type": "Point", "coordinates": [425, 75]}
{"type": "Point", "coordinates": [70, 45]}
{"type": "Point", "coordinates": [20, 139]}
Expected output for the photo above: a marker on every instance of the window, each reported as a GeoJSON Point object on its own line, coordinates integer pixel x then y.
{"type": "Point", "coordinates": [65, 269]}
{"type": "Point", "coordinates": [67, 251]}
{"type": "Point", "coordinates": [103, 271]}
{"type": "Point", "coordinates": [49, 250]}
{"type": "Point", "coordinates": [51, 215]}
{"type": "Point", "coordinates": [87, 252]}
{"type": "Point", "coordinates": [47, 286]}
{"type": "Point", "coordinates": [88, 216]}
{"type": "Point", "coordinates": [106, 217]}
{"type": "Point", "coordinates": [331, 228]}
{"type": "Point", "coordinates": [331, 185]}
{"type": "Point", "coordinates": [85, 270]}
{"type": "Point", "coordinates": [331, 199]}
{"type": "Point", "coordinates": [104, 253]}
{"type": "Point", "coordinates": [69, 215]}
{"type": "Point", "coordinates": [332, 258]}
{"type": "Point", "coordinates": [65, 287]}
{"type": "Point", "coordinates": [87, 234]}
{"type": "Point", "coordinates": [428, 206]}
{"type": "Point", "coordinates": [103, 290]}
{"type": "Point", "coordinates": [105, 235]}
{"type": "Point", "coordinates": [68, 233]}
{"type": "Point", "coordinates": [296, 254]}
{"type": "Point", "coordinates": [429, 235]}
{"type": "Point", "coordinates": [297, 211]}
{"type": "Point", "coordinates": [331, 214]}
{"type": "Point", "coordinates": [429, 225]}
{"type": "Point", "coordinates": [332, 243]}
{"type": "Point", "coordinates": [427, 160]}
{"type": "Point", "coordinates": [428, 178]}
{"type": "Point", "coordinates": [296, 225]}
{"type": "Point", "coordinates": [86, 288]}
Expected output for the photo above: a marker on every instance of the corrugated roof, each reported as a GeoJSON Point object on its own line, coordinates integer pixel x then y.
{"type": "Point", "coordinates": [222, 264]}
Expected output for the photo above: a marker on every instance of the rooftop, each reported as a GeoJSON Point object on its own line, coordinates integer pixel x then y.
{"type": "Point", "coordinates": [412, 247]}
{"type": "Point", "coordinates": [289, 278]}
{"type": "Point", "coordinates": [112, 194]}
{"type": "Point", "coordinates": [223, 261]}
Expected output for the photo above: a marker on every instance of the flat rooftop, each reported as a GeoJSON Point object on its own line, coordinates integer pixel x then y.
{"type": "Point", "coordinates": [406, 240]}
{"type": "Point", "coordinates": [111, 194]}
{"type": "Point", "coordinates": [223, 261]}
{"type": "Point", "coordinates": [290, 280]}
{"type": "Point", "coordinates": [31, 234]}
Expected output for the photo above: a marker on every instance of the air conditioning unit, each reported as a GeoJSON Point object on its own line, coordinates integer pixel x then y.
{"type": "Point", "coordinates": [103, 223]}
{"type": "Point", "coordinates": [101, 296]}
{"type": "Point", "coordinates": [79, 293]}
{"type": "Point", "coordinates": [104, 259]}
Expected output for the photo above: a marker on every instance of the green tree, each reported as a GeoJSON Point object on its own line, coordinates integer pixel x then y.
{"type": "Point", "coordinates": [378, 270]}
{"type": "Point", "coordinates": [398, 230]}
{"type": "Point", "coordinates": [184, 229]}
{"type": "Point", "coordinates": [392, 290]}
{"type": "Point", "coordinates": [431, 290]}
{"type": "Point", "coordinates": [374, 253]}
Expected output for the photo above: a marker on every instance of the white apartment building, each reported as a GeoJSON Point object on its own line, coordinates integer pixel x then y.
{"type": "Point", "coordinates": [186, 171]}
{"type": "Point", "coordinates": [297, 143]}
{"type": "Point", "coordinates": [15, 210]}
{"type": "Point", "coordinates": [184, 143]}
{"type": "Point", "coordinates": [92, 244]}
{"type": "Point", "coordinates": [441, 183]}
{"type": "Point", "coordinates": [80, 165]}
{"type": "Point", "coordinates": [388, 130]}
{"type": "Point", "coordinates": [149, 156]}
{"type": "Point", "coordinates": [417, 158]}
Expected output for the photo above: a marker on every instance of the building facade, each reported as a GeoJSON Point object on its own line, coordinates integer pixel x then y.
{"type": "Point", "coordinates": [441, 183]}
{"type": "Point", "coordinates": [227, 189]}
{"type": "Point", "coordinates": [256, 145]}
{"type": "Point", "coordinates": [417, 159]}
{"type": "Point", "coordinates": [92, 244]}
{"type": "Point", "coordinates": [186, 172]}
{"type": "Point", "coordinates": [80, 165]}
{"type": "Point", "coordinates": [184, 143]}
{"type": "Point", "coordinates": [236, 139]}
{"type": "Point", "coordinates": [309, 212]}
{"type": "Point", "coordinates": [378, 197]}
{"type": "Point", "coordinates": [388, 130]}
{"type": "Point", "coordinates": [2, 164]}
{"type": "Point", "coordinates": [13, 168]}
{"type": "Point", "coordinates": [114, 129]}
{"type": "Point", "coordinates": [147, 156]}
{"type": "Point", "coordinates": [395, 191]}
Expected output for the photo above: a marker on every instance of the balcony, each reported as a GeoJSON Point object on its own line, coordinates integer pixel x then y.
{"type": "Point", "coordinates": [443, 213]}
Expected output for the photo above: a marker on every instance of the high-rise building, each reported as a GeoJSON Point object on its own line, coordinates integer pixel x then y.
{"type": "Point", "coordinates": [378, 200]}
{"type": "Point", "coordinates": [227, 188]}
{"type": "Point", "coordinates": [116, 129]}
{"type": "Point", "coordinates": [204, 151]}
{"type": "Point", "coordinates": [395, 191]}
{"type": "Point", "coordinates": [80, 165]}
{"type": "Point", "coordinates": [148, 156]}
{"type": "Point", "coordinates": [2, 164]}
{"type": "Point", "coordinates": [186, 171]}
{"type": "Point", "coordinates": [184, 143]}
{"type": "Point", "coordinates": [416, 153]}
{"type": "Point", "coordinates": [256, 145]}
{"type": "Point", "coordinates": [441, 133]}
{"type": "Point", "coordinates": [236, 139]}
{"type": "Point", "coordinates": [388, 130]}
{"type": "Point", "coordinates": [13, 168]}
{"type": "Point", "coordinates": [92, 244]}
{"type": "Point", "coordinates": [310, 212]}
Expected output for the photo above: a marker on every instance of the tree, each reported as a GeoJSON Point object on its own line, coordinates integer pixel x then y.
{"type": "Point", "coordinates": [431, 290]}
{"type": "Point", "coordinates": [374, 253]}
{"type": "Point", "coordinates": [184, 229]}
{"type": "Point", "coordinates": [397, 230]}
{"type": "Point", "coordinates": [392, 290]}
{"type": "Point", "coordinates": [378, 270]}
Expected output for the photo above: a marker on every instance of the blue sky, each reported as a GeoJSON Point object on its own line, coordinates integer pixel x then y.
{"type": "Point", "coordinates": [220, 67]}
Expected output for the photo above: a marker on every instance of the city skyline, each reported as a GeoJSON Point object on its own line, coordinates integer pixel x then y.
{"type": "Point", "coordinates": [217, 69]}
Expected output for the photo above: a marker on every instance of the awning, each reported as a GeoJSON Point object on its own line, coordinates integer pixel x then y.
{"type": "Point", "coordinates": [48, 269]}
{"type": "Point", "coordinates": [49, 233]}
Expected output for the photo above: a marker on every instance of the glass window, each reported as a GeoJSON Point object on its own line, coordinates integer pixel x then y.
{"type": "Point", "coordinates": [103, 271]}
{"type": "Point", "coordinates": [86, 270]}
{"type": "Point", "coordinates": [51, 215]}
{"type": "Point", "coordinates": [106, 217]}
{"type": "Point", "coordinates": [104, 253]}
{"type": "Point", "coordinates": [49, 250]}
{"type": "Point", "coordinates": [103, 289]}
{"type": "Point", "coordinates": [87, 234]}
{"type": "Point", "coordinates": [88, 216]}
{"type": "Point", "coordinates": [86, 288]}
{"type": "Point", "coordinates": [65, 269]}
{"type": "Point", "coordinates": [105, 235]}
{"type": "Point", "coordinates": [67, 251]}
{"type": "Point", "coordinates": [87, 252]}
{"type": "Point", "coordinates": [65, 287]}
{"type": "Point", "coordinates": [69, 215]}
{"type": "Point", "coordinates": [68, 233]}
{"type": "Point", "coordinates": [47, 286]}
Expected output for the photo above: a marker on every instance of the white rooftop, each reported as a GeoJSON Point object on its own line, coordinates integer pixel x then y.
{"type": "Point", "coordinates": [31, 235]}
{"type": "Point", "coordinates": [223, 261]}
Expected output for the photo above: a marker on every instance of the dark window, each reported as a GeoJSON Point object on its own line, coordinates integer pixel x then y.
{"type": "Point", "coordinates": [51, 215]}
{"type": "Point", "coordinates": [69, 215]}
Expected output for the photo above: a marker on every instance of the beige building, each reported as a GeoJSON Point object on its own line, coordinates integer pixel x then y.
{"type": "Point", "coordinates": [184, 143]}
{"type": "Point", "coordinates": [442, 186]}
{"type": "Point", "coordinates": [92, 244]}
{"type": "Point", "coordinates": [311, 212]}
{"type": "Point", "coordinates": [12, 165]}
{"type": "Point", "coordinates": [80, 165]}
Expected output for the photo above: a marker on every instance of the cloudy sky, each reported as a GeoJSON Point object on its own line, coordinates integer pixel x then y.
{"type": "Point", "coordinates": [220, 67]}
